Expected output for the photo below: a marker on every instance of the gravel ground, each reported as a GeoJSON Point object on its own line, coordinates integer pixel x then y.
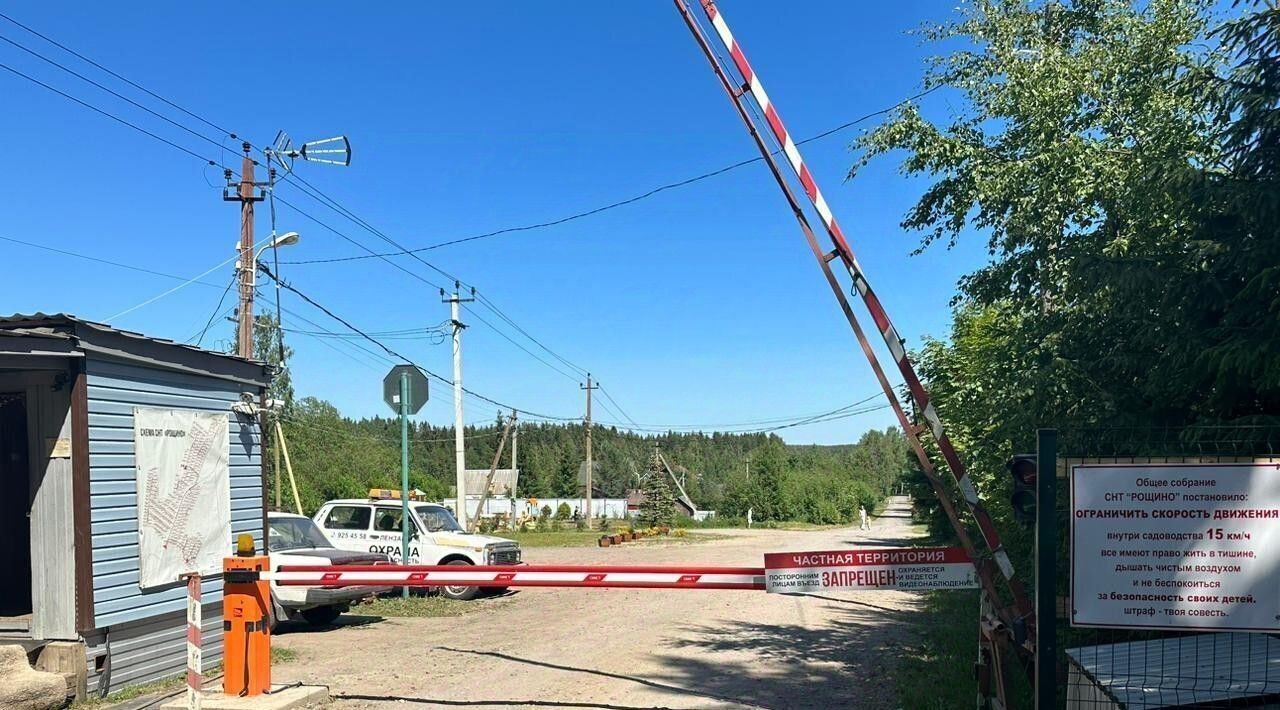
{"type": "Point", "coordinates": [625, 649]}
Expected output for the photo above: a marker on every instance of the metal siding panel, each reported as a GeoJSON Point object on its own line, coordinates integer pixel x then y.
{"type": "Point", "coordinates": [154, 649]}
{"type": "Point", "coordinates": [114, 390]}
{"type": "Point", "coordinates": [166, 601]}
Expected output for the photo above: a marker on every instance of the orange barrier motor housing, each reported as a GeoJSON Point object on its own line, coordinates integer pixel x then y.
{"type": "Point", "coordinates": [246, 626]}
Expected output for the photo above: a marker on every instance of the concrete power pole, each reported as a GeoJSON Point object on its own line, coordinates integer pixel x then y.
{"type": "Point", "coordinates": [459, 440]}
{"type": "Point", "coordinates": [515, 471]}
{"type": "Point", "coordinates": [245, 265]}
{"type": "Point", "coordinates": [590, 463]}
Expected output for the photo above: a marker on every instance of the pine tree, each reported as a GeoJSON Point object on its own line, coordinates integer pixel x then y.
{"type": "Point", "coordinates": [659, 506]}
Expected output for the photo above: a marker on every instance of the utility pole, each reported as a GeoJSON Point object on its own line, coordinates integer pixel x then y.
{"type": "Point", "coordinates": [590, 464]}
{"type": "Point", "coordinates": [246, 265]}
{"type": "Point", "coordinates": [459, 440]}
{"type": "Point", "coordinates": [404, 474]}
{"type": "Point", "coordinates": [515, 472]}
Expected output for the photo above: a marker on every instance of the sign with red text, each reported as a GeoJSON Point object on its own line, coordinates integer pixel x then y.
{"type": "Point", "coordinates": [912, 569]}
{"type": "Point", "coordinates": [1176, 546]}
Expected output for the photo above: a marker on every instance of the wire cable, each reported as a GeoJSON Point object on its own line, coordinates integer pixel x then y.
{"type": "Point", "coordinates": [111, 91]}
{"type": "Point", "coordinates": [286, 285]}
{"type": "Point", "coordinates": [217, 308]}
{"type": "Point", "coordinates": [108, 262]}
{"type": "Point", "coordinates": [624, 202]}
{"type": "Point", "coordinates": [108, 114]}
{"type": "Point", "coordinates": [126, 80]}
{"type": "Point", "coordinates": [179, 287]}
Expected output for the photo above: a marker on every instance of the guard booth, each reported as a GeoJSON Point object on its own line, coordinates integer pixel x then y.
{"type": "Point", "coordinates": [72, 587]}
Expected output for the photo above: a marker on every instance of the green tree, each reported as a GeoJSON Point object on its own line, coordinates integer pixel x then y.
{"type": "Point", "coordinates": [659, 505]}
{"type": "Point", "coordinates": [1120, 160]}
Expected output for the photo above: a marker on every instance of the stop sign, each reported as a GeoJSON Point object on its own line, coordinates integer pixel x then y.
{"type": "Point", "coordinates": [417, 388]}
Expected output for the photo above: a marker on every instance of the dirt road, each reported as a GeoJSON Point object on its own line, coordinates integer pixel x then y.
{"type": "Point", "coordinates": [626, 649]}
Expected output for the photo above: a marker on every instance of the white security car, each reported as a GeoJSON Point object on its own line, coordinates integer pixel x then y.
{"type": "Point", "coordinates": [295, 540]}
{"type": "Point", "coordinates": [373, 526]}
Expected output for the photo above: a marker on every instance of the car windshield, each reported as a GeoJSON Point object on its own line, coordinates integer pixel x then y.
{"type": "Point", "coordinates": [437, 518]}
{"type": "Point", "coordinates": [295, 533]}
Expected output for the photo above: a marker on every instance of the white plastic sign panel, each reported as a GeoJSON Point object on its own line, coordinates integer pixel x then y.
{"type": "Point", "coordinates": [912, 569]}
{"type": "Point", "coordinates": [1192, 546]}
{"type": "Point", "coordinates": [184, 493]}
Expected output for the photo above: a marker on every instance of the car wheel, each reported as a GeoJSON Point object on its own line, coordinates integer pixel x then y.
{"type": "Point", "coordinates": [460, 593]}
{"type": "Point", "coordinates": [321, 615]}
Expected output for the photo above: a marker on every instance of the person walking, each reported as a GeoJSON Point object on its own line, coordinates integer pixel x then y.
{"type": "Point", "coordinates": [862, 516]}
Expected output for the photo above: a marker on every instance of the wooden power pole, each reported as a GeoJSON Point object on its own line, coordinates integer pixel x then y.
{"type": "Point", "coordinates": [590, 464]}
{"type": "Point", "coordinates": [246, 265]}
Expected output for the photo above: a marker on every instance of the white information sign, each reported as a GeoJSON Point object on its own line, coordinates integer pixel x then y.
{"type": "Point", "coordinates": [184, 493]}
{"type": "Point", "coordinates": [1176, 546]}
{"type": "Point", "coordinates": [914, 569]}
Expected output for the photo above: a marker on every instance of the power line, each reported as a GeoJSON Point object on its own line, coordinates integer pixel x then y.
{"type": "Point", "coordinates": [754, 423]}
{"type": "Point", "coordinates": [108, 262]}
{"type": "Point", "coordinates": [179, 287]}
{"type": "Point", "coordinates": [286, 285]}
{"type": "Point", "coordinates": [619, 203]}
{"type": "Point", "coordinates": [216, 309]}
{"type": "Point", "coordinates": [109, 115]}
{"type": "Point", "coordinates": [111, 91]}
{"type": "Point", "coordinates": [126, 80]}
{"type": "Point", "coordinates": [609, 397]}
{"type": "Point", "coordinates": [319, 195]}
{"type": "Point", "coordinates": [487, 303]}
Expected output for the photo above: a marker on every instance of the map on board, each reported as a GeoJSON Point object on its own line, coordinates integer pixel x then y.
{"type": "Point", "coordinates": [184, 506]}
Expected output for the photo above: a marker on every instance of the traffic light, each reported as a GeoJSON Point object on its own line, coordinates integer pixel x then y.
{"type": "Point", "coordinates": [1022, 468]}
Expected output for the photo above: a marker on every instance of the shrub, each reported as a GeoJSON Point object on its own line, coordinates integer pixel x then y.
{"type": "Point", "coordinates": [563, 512]}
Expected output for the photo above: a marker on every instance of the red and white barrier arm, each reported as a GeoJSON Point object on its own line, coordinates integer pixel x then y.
{"type": "Point", "coordinates": [521, 576]}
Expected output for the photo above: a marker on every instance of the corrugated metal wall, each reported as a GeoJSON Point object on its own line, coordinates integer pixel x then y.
{"type": "Point", "coordinates": [146, 629]}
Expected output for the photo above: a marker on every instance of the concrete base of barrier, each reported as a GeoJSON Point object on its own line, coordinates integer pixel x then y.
{"type": "Point", "coordinates": [297, 696]}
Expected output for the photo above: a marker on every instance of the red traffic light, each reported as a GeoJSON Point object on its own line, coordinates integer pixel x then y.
{"type": "Point", "coordinates": [1023, 469]}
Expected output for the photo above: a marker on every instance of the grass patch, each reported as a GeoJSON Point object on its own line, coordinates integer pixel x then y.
{"type": "Point", "coordinates": [282, 655]}
{"type": "Point", "coordinates": [563, 538]}
{"type": "Point", "coordinates": [418, 606]}
{"type": "Point", "coordinates": [936, 671]}
{"type": "Point", "coordinates": [170, 684]}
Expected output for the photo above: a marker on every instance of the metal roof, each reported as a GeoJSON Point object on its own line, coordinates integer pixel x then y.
{"type": "Point", "coordinates": [1184, 670]}
{"type": "Point", "coordinates": [110, 340]}
{"type": "Point", "coordinates": [504, 480]}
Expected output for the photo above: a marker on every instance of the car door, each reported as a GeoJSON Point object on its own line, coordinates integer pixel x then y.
{"type": "Point", "coordinates": [388, 536]}
{"type": "Point", "coordinates": [347, 527]}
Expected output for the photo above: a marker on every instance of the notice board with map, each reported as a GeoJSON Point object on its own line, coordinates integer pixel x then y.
{"type": "Point", "coordinates": [184, 493]}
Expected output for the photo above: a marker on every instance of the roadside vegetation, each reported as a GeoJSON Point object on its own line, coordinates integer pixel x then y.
{"type": "Point", "coordinates": [1121, 161]}
{"type": "Point", "coordinates": [418, 605]}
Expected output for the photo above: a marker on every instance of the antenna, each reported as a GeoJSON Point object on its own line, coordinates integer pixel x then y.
{"type": "Point", "coordinates": [331, 151]}
{"type": "Point", "coordinates": [282, 150]}
{"type": "Point", "coordinates": [334, 151]}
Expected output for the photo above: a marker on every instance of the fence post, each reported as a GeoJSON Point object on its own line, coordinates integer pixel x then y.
{"type": "Point", "coordinates": [1046, 544]}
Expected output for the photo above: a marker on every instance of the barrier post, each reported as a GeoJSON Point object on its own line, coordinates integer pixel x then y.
{"type": "Point", "coordinates": [246, 622]}
{"type": "Point", "coordinates": [194, 651]}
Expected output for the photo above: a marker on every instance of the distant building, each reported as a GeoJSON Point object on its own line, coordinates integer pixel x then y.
{"type": "Point", "coordinates": [501, 506]}
{"type": "Point", "coordinates": [504, 483]}
{"type": "Point", "coordinates": [635, 501]}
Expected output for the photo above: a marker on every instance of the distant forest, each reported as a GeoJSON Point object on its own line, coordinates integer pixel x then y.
{"type": "Point", "coordinates": [334, 457]}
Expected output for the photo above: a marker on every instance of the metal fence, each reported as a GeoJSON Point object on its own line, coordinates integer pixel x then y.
{"type": "Point", "coordinates": [1154, 667]}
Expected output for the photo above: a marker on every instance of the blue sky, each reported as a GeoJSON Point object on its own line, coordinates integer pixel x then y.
{"type": "Point", "coordinates": [699, 305]}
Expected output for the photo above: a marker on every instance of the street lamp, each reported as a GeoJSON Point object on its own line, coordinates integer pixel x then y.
{"type": "Point", "coordinates": [287, 239]}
